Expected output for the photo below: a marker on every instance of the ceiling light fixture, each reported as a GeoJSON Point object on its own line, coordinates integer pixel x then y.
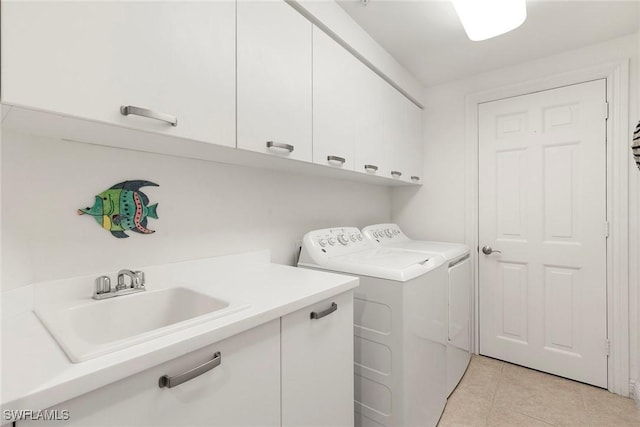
{"type": "Point", "coordinates": [483, 19]}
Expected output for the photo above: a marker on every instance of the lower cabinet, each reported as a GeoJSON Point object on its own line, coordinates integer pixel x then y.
{"type": "Point", "coordinates": [292, 371]}
{"type": "Point", "coordinates": [317, 364]}
{"type": "Point", "coordinates": [244, 390]}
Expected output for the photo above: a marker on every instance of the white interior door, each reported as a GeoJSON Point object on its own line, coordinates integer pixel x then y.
{"type": "Point", "coordinates": [542, 203]}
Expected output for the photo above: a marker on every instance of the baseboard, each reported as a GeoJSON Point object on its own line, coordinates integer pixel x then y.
{"type": "Point", "coordinates": [634, 392]}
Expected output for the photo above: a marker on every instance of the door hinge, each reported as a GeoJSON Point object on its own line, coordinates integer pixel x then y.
{"type": "Point", "coordinates": [606, 110]}
{"type": "Point", "coordinates": [606, 229]}
{"type": "Point", "coordinates": [607, 347]}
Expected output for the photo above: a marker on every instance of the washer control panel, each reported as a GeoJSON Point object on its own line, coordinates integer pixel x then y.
{"type": "Point", "coordinates": [381, 233]}
{"type": "Point", "coordinates": [335, 241]}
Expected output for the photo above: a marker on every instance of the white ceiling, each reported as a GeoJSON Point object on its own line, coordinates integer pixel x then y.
{"type": "Point", "coordinates": [427, 38]}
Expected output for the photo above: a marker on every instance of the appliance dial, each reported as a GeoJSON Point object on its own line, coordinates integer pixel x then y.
{"type": "Point", "coordinates": [322, 242]}
{"type": "Point", "coordinates": [343, 239]}
{"type": "Point", "coordinates": [375, 234]}
{"type": "Point", "coordinates": [360, 237]}
{"type": "Point", "coordinates": [353, 237]}
{"type": "Point", "coordinates": [331, 241]}
{"type": "Point", "coordinates": [388, 232]}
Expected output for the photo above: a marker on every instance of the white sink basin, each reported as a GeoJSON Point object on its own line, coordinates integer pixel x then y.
{"type": "Point", "coordinates": [94, 328]}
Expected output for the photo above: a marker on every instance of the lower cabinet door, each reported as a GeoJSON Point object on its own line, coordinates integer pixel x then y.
{"type": "Point", "coordinates": [317, 364]}
{"type": "Point", "coordinates": [243, 390]}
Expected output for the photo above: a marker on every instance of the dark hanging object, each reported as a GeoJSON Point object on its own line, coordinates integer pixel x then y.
{"type": "Point", "coordinates": [635, 146]}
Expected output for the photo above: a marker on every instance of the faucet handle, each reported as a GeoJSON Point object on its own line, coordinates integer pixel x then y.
{"type": "Point", "coordinates": [139, 279]}
{"type": "Point", "coordinates": [103, 285]}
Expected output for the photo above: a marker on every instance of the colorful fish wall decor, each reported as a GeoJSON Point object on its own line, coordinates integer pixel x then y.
{"type": "Point", "coordinates": [123, 207]}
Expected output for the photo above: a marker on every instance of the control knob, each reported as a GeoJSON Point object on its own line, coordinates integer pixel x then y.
{"type": "Point", "coordinates": [322, 242]}
{"type": "Point", "coordinates": [360, 237]}
{"type": "Point", "coordinates": [353, 237]}
{"type": "Point", "coordinates": [388, 232]}
{"type": "Point", "coordinates": [331, 241]}
{"type": "Point", "coordinates": [343, 239]}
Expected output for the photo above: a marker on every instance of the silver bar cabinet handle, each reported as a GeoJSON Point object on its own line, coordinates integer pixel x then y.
{"type": "Point", "coordinates": [328, 311]}
{"type": "Point", "coordinates": [372, 168]}
{"type": "Point", "coordinates": [169, 382]}
{"type": "Point", "coordinates": [396, 174]}
{"type": "Point", "coordinates": [125, 110]}
{"type": "Point", "coordinates": [288, 147]}
{"type": "Point", "coordinates": [415, 178]}
{"type": "Point", "coordinates": [340, 160]}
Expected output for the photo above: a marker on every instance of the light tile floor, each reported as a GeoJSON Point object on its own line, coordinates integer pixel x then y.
{"type": "Point", "coordinates": [495, 393]}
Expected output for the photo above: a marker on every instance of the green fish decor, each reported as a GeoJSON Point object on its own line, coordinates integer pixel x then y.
{"type": "Point", "coordinates": [123, 207]}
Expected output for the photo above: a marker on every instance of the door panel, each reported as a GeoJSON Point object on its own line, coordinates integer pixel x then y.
{"type": "Point", "coordinates": [542, 204]}
{"type": "Point", "coordinates": [561, 192]}
{"type": "Point", "coordinates": [513, 286]}
{"type": "Point", "coordinates": [511, 170]}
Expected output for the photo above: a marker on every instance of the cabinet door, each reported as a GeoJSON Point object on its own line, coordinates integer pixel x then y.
{"type": "Point", "coordinates": [274, 79]}
{"type": "Point", "coordinates": [403, 137]}
{"type": "Point", "coordinates": [370, 117]}
{"type": "Point", "coordinates": [317, 365]}
{"type": "Point", "coordinates": [396, 134]}
{"type": "Point", "coordinates": [414, 146]}
{"type": "Point", "coordinates": [87, 59]}
{"type": "Point", "coordinates": [334, 102]}
{"type": "Point", "coordinates": [244, 390]}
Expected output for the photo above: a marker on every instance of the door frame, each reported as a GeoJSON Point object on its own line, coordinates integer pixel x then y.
{"type": "Point", "coordinates": [617, 84]}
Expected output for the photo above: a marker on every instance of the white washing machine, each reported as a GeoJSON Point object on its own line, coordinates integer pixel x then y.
{"type": "Point", "coordinates": [399, 326]}
{"type": "Point", "coordinates": [459, 292]}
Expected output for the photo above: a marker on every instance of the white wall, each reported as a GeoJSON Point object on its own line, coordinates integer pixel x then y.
{"type": "Point", "coordinates": [205, 209]}
{"type": "Point", "coordinates": [437, 210]}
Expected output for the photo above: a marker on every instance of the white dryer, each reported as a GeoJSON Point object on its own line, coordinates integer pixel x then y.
{"type": "Point", "coordinates": [459, 291]}
{"type": "Point", "coordinates": [399, 326]}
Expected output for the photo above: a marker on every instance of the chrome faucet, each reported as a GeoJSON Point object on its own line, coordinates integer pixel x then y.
{"type": "Point", "coordinates": [136, 279]}
{"type": "Point", "coordinates": [103, 288]}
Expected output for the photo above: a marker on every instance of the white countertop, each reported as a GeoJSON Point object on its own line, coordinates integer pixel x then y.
{"type": "Point", "coordinates": [36, 373]}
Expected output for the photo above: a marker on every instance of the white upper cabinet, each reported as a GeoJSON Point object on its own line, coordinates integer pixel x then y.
{"type": "Point", "coordinates": [402, 137]}
{"type": "Point", "coordinates": [370, 117]}
{"type": "Point", "coordinates": [274, 79]}
{"type": "Point", "coordinates": [334, 102]}
{"type": "Point", "coordinates": [167, 61]}
{"type": "Point", "coordinates": [252, 75]}
{"type": "Point", "coordinates": [414, 148]}
{"type": "Point", "coordinates": [395, 134]}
